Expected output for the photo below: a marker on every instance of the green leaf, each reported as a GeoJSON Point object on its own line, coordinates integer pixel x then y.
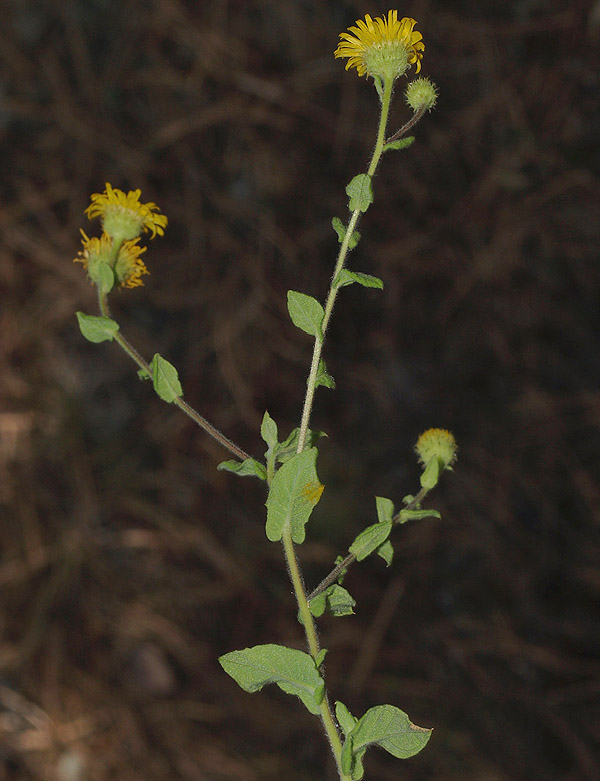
{"type": "Point", "coordinates": [97, 329]}
{"type": "Point", "coordinates": [370, 539]}
{"type": "Point", "coordinates": [247, 468]}
{"type": "Point", "coordinates": [306, 313]}
{"type": "Point", "coordinates": [345, 719]}
{"type": "Point", "coordinates": [320, 657]}
{"type": "Point", "coordinates": [287, 449]}
{"type": "Point", "coordinates": [386, 551]}
{"type": "Point", "coordinates": [268, 430]}
{"type": "Point", "coordinates": [340, 229]}
{"type": "Point", "coordinates": [416, 515]}
{"type": "Point", "coordinates": [104, 277]}
{"type": "Point", "coordinates": [292, 670]}
{"type": "Point", "coordinates": [360, 192]}
{"type": "Point", "coordinates": [165, 379]}
{"type": "Point", "coordinates": [431, 474]}
{"type": "Point", "coordinates": [335, 599]}
{"type": "Point", "coordinates": [295, 490]}
{"type": "Point", "coordinates": [324, 379]}
{"type": "Point", "coordinates": [390, 728]}
{"type": "Point", "coordinates": [385, 509]}
{"type": "Point", "coordinates": [401, 143]}
{"type": "Point", "coordinates": [346, 277]}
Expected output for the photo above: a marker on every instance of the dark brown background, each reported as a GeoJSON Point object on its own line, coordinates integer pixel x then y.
{"type": "Point", "coordinates": [128, 563]}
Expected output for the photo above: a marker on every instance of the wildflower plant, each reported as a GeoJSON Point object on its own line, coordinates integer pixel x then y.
{"type": "Point", "coordinates": [384, 49]}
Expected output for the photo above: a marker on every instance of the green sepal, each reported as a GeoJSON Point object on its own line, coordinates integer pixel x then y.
{"type": "Point", "coordinates": [306, 313]}
{"type": "Point", "coordinates": [346, 277]}
{"type": "Point", "coordinates": [165, 379]}
{"type": "Point", "coordinates": [324, 379]}
{"type": "Point", "coordinates": [390, 728]}
{"type": "Point", "coordinates": [293, 671]}
{"type": "Point", "coordinates": [97, 329]}
{"type": "Point", "coordinates": [340, 229]}
{"type": "Point", "coordinates": [360, 192]}
{"type": "Point", "coordinates": [378, 86]}
{"type": "Point", "coordinates": [370, 539]}
{"type": "Point", "coordinates": [247, 468]}
{"type": "Point", "coordinates": [401, 143]}
{"type": "Point", "coordinates": [417, 515]}
{"type": "Point", "coordinates": [295, 491]}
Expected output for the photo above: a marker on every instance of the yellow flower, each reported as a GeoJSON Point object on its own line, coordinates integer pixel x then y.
{"type": "Point", "coordinates": [129, 267]}
{"type": "Point", "coordinates": [382, 47]}
{"type": "Point", "coordinates": [97, 258]}
{"type": "Point", "coordinates": [95, 253]}
{"type": "Point", "coordinates": [123, 216]}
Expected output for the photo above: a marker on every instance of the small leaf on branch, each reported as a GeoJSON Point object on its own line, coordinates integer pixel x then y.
{"type": "Point", "coordinates": [401, 143]}
{"type": "Point", "coordinates": [360, 192]}
{"type": "Point", "coordinates": [248, 468]}
{"type": "Point", "coordinates": [370, 539]}
{"type": "Point", "coordinates": [385, 508]}
{"type": "Point", "coordinates": [293, 671]}
{"type": "Point", "coordinates": [287, 449]}
{"type": "Point", "coordinates": [416, 515]}
{"type": "Point", "coordinates": [268, 430]}
{"type": "Point", "coordinates": [165, 379]}
{"type": "Point", "coordinates": [306, 313]}
{"type": "Point", "coordinates": [97, 329]}
{"type": "Point", "coordinates": [386, 551]}
{"type": "Point", "coordinates": [323, 378]}
{"type": "Point", "coordinates": [335, 599]}
{"type": "Point", "coordinates": [346, 277]}
{"type": "Point", "coordinates": [340, 229]}
{"type": "Point", "coordinates": [345, 719]}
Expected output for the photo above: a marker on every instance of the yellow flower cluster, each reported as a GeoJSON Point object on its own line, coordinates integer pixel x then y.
{"type": "Point", "coordinates": [117, 251]}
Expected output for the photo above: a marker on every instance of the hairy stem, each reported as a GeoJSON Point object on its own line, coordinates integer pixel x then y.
{"type": "Point", "coordinates": [178, 401]}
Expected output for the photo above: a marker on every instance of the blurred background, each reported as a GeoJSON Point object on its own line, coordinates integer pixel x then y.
{"type": "Point", "coordinates": [127, 562]}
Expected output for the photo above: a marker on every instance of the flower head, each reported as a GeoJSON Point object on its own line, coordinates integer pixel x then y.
{"type": "Point", "coordinates": [98, 258]}
{"type": "Point", "coordinates": [382, 47]}
{"type": "Point", "coordinates": [421, 94]}
{"type": "Point", "coordinates": [439, 444]}
{"type": "Point", "coordinates": [123, 216]}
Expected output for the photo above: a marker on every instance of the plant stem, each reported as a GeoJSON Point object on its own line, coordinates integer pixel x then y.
{"type": "Point", "coordinates": [310, 630]}
{"type": "Point", "coordinates": [311, 382]}
{"type": "Point", "coordinates": [178, 401]}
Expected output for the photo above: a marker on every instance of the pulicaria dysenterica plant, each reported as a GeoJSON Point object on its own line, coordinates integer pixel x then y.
{"type": "Point", "coordinates": [384, 49]}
